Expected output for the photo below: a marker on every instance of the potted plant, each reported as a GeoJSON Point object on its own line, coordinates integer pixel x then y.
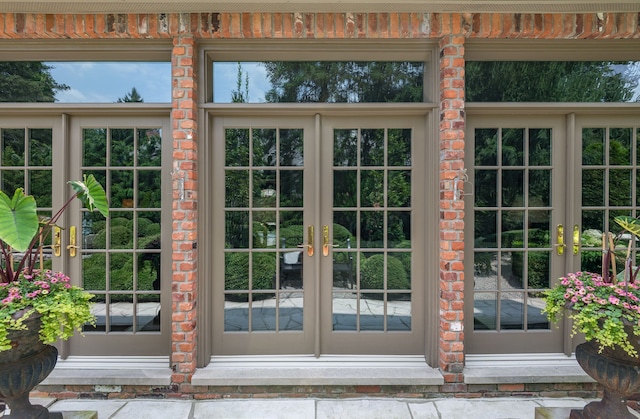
{"type": "Point", "coordinates": [605, 307]}
{"type": "Point", "coordinates": [37, 306]}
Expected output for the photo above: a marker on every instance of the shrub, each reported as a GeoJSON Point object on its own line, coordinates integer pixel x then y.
{"type": "Point", "coordinates": [372, 274]}
{"type": "Point", "coordinates": [237, 271]}
{"type": "Point", "coordinates": [293, 235]}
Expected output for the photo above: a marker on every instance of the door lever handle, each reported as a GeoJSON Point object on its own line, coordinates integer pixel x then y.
{"type": "Point", "coordinates": [309, 245]}
{"type": "Point", "coordinates": [71, 247]}
{"type": "Point", "coordinates": [57, 240]}
{"type": "Point", "coordinates": [325, 241]}
{"type": "Point", "coordinates": [560, 245]}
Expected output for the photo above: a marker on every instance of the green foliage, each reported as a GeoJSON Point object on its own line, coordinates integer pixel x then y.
{"type": "Point", "coordinates": [27, 82]}
{"type": "Point", "coordinates": [604, 312]}
{"type": "Point", "coordinates": [540, 81]}
{"type": "Point", "coordinates": [132, 96]}
{"type": "Point", "coordinates": [343, 82]}
{"type": "Point", "coordinates": [293, 235]}
{"type": "Point", "coordinates": [121, 266]}
{"type": "Point", "coordinates": [372, 274]}
{"type": "Point", "coordinates": [22, 229]}
{"type": "Point", "coordinates": [237, 271]}
{"type": "Point", "coordinates": [18, 220]}
{"type": "Point", "coordinates": [341, 235]}
{"type": "Point", "coordinates": [64, 308]}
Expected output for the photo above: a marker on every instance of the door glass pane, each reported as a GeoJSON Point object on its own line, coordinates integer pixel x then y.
{"type": "Point", "coordinates": [512, 311]}
{"type": "Point", "coordinates": [25, 162]}
{"type": "Point", "coordinates": [320, 81]}
{"type": "Point", "coordinates": [512, 221]}
{"type": "Point", "coordinates": [551, 81]}
{"type": "Point", "coordinates": [609, 186]}
{"type": "Point", "coordinates": [264, 230]}
{"type": "Point", "coordinates": [373, 256]}
{"type": "Point", "coordinates": [121, 256]}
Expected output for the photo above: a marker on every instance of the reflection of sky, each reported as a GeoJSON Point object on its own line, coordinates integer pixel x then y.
{"type": "Point", "coordinates": [225, 80]}
{"type": "Point", "coordinates": [105, 82]}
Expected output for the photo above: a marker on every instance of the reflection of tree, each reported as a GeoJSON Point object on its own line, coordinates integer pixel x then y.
{"type": "Point", "coordinates": [14, 160]}
{"type": "Point", "coordinates": [27, 82]}
{"type": "Point", "coordinates": [343, 82]}
{"type": "Point", "coordinates": [540, 81]}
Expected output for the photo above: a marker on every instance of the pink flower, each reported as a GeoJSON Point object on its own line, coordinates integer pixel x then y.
{"type": "Point", "coordinates": [574, 299]}
{"type": "Point", "coordinates": [614, 300]}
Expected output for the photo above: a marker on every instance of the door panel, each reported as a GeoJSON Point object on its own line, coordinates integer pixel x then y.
{"type": "Point", "coordinates": [514, 210]}
{"type": "Point", "coordinates": [121, 258]}
{"type": "Point", "coordinates": [320, 249]}
{"type": "Point", "coordinates": [263, 303]}
{"type": "Point", "coordinates": [372, 282]}
{"type": "Point", "coordinates": [608, 164]}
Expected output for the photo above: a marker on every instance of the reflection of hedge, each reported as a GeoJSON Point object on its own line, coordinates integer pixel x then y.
{"type": "Point", "coordinates": [121, 268]}
{"type": "Point", "coordinates": [372, 274]}
{"type": "Point", "coordinates": [293, 235]}
{"type": "Point", "coordinates": [340, 236]}
{"type": "Point", "coordinates": [538, 269]}
{"type": "Point", "coordinates": [237, 271]}
{"type": "Point", "coordinates": [405, 257]}
{"type": "Point", "coordinates": [121, 276]}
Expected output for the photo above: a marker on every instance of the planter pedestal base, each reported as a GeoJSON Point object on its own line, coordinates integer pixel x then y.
{"type": "Point", "coordinates": [619, 376]}
{"type": "Point", "coordinates": [18, 378]}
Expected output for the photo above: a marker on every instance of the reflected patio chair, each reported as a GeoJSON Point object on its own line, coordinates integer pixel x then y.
{"type": "Point", "coordinates": [290, 266]}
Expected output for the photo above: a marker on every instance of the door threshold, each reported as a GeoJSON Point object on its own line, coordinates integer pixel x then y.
{"type": "Point", "coordinates": [309, 370]}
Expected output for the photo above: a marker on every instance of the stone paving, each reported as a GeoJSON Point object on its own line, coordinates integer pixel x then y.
{"type": "Point", "coordinates": [365, 408]}
{"type": "Point", "coordinates": [289, 310]}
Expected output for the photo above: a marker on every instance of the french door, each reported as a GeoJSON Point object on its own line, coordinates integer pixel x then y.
{"type": "Point", "coordinates": [515, 224]}
{"type": "Point", "coordinates": [545, 188]}
{"type": "Point", "coordinates": [119, 259]}
{"type": "Point", "coordinates": [320, 253]}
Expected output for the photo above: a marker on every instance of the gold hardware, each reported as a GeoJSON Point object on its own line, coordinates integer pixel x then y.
{"type": "Point", "coordinates": [560, 245]}
{"type": "Point", "coordinates": [576, 239]}
{"type": "Point", "coordinates": [309, 245]}
{"type": "Point", "coordinates": [72, 242]}
{"type": "Point", "coordinates": [57, 240]}
{"type": "Point", "coordinates": [325, 240]}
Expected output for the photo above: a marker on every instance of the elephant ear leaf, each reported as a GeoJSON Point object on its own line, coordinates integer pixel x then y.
{"type": "Point", "coordinates": [18, 220]}
{"type": "Point", "coordinates": [91, 193]}
{"type": "Point", "coordinates": [632, 225]}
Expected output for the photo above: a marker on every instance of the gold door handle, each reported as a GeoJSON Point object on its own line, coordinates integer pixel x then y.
{"type": "Point", "coordinates": [71, 247]}
{"type": "Point", "coordinates": [576, 239]}
{"type": "Point", "coordinates": [57, 240]}
{"type": "Point", "coordinates": [309, 245]}
{"type": "Point", "coordinates": [560, 245]}
{"type": "Point", "coordinates": [325, 241]}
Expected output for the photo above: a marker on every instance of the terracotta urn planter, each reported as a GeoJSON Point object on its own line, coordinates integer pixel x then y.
{"type": "Point", "coordinates": [23, 367]}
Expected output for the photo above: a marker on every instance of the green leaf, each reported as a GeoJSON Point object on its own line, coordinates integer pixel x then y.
{"type": "Point", "coordinates": [18, 220]}
{"type": "Point", "coordinates": [630, 224]}
{"type": "Point", "coordinates": [91, 193]}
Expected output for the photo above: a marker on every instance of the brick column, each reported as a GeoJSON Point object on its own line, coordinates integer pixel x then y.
{"type": "Point", "coordinates": [184, 227]}
{"type": "Point", "coordinates": [451, 333]}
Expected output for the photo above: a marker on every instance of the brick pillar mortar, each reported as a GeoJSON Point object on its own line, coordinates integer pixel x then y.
{"type": "Point", "coordinates": [184, 131]}
{"type": "Point", "coordinates": [451, 281]}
